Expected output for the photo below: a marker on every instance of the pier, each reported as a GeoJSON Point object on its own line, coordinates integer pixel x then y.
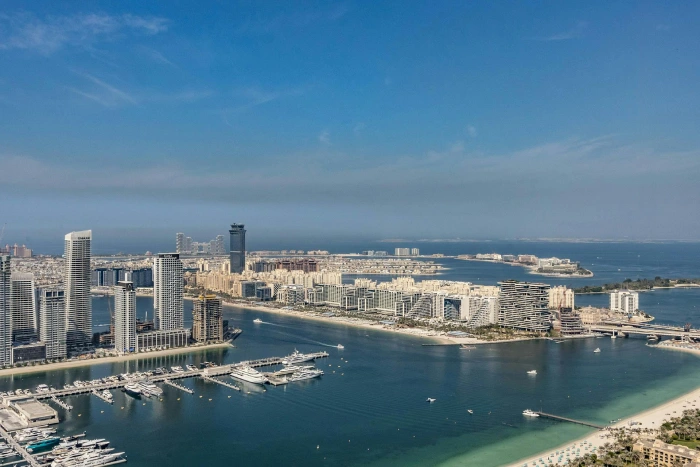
{"type": "Point", "coordinates": [223, 383]}
{"type": "Point", "coordinates": [570, 420]}
{"type": "Point", "coordinates": [178, 386]}
{"type": "Point", "coordinates": [60, 403]}
{"type": "Point", "coordinates": [19, 449]}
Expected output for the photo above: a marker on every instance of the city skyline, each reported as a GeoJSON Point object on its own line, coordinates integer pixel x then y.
{"type": "Point", "coordinates": [517, 115]}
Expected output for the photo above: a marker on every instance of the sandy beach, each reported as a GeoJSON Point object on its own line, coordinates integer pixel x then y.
{"type": "Point", "coordinates": [99, 361]}
{"type": "Point", "coordinates": [651, 418]}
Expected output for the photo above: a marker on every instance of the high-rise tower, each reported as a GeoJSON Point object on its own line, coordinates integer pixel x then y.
{"type": "Point", "coordinates": [5, 316]}
{"type": "Point", "coordinates": [52, 321]}
{"type": "Point", "coordinates": [207, 320]}
{"type": "Point", "coordinates": [77, 289]}
{"type": "Point", "coordinates": [167, 291]}
{"type": "Point", "coordinates": [25, 325]}
{"type": "Point", "coordinates": [237, 255]}
{"type": "Point", "coordinates": [124, 317]}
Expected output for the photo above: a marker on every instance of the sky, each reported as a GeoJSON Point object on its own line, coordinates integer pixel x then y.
{"type": "Point", "coordinates": [471, 119]}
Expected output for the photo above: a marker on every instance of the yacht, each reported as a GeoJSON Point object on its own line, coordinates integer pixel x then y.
{"type": "Point", "coordinates": [177, 369]}
{"type": "Point", "coordinates": [340, 346]}
{"type": "Point", "coordinates": [107, 395]}
{"type": "Point", "coordinates": [148, 388]}
{"type": "Point", "coordinates": [597, 350]}
{"type": "Point", "coordinates": [430, 399]}
{"type": "Point", "coordinates": [248, 374]}
{"type": "Point", "coordinates": [42, 388]}
{"type": "Point", "coordinates": [532, 372]}
{"type": "Point", "coordinates": [257, 320]}
{"type": "Point", "coordinates": [44, 443]}
{"type": "Point", "coordinates": [133, 389]}
{"type": "Point", "coordinates": [297, 357]}
{"type": "Point", "coordinates": [530, 413]}
{"type": "Point", "coordinates": [304, 375]}
{"type": "Point", "coordinates": [190, 367]}
{"type": "Point", "coordinates": [470, 411]}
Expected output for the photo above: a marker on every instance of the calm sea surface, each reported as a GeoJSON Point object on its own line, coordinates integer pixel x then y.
{"type": "Point", "coordinates": [369, 408]}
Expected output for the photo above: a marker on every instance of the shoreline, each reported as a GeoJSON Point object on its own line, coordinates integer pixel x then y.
{"type": "Point", "coordinates": [96, 361]}
{"type": "Point", "coordinates": [651, 418]}
{"type": "Point", "coordinates": [532, 269]}
{"type": "Point", "coordinates": [367, 324]}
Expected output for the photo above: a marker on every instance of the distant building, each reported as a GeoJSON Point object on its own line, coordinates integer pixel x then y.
{"type": "Point", "coordinates": [561, 296]}
{"type": "Point", "coordinates": [479, 311]}
{"type": "Point", "coordinates": [624, 301]}
{"type": "Point", "coordinates": [305, 264]}
{"type": "Point", "coordinates": [5, 314]}
{"type": "Point", "coordinates": [77, 289]}
{"type": "Point", "coordinates": [569, 322]}
{"type": "Point", "coordinates": [18, 251]}
{"type": "Point", "coordinates": [524, 305]}
{"type": "Point", "coordinates": [401, 251]}
{"type": "Point", "coordinates": [180, 243]}
{"type": "Point", "coordinates": [660, 454]}
{"type": "Point", "coordinates": [140, 277]}
{"type": "Point", "coordinates": [25, 326]}
{"type": "Point", "coordinates": [29, 352]}
{"type": "Point", "coordinates": [125, 317]}
{"type": "Point", "coordinates": [167, 291]}
{"type": "Point", "coordinates": [52, 319]}
{"type": "Point", "coordinates": [237, 248]}
{"type": "Point", "coordinates": [207, 319]}
{"type": "Point", "coordinates": [162, 339]}
{"type": "Point", "coordinates": [415, 252]}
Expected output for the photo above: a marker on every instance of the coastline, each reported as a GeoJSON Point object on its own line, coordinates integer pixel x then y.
{"type": "Point", "coordinates": [366, 324]}
{"type": "Point", "coordinates": [651, 418]}
{"type": "Point", "coordinates": [97, 361]}
{"type": "Point", "coordinates": [531, 269]}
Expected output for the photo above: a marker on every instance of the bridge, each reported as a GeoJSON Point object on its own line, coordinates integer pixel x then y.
{"type": "Point", "coordinates": [571, 420]}
{"type": "Point", "coordinates": [645, 329]}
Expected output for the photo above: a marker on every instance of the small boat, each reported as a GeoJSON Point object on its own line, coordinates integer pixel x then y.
{"type": "Point", "coordinates": [558, 342]}
{"type": "Point", "coordinates": [257, 320]}
{"type": "Point", "coordinates": [191, 367]}
{"type": "Point", "coordinates": [532, 372]}
{"type": "Point", "coordinates": [597, 350]}
{"type": "Point", "coordinates": [466, 347]}
{"type": "Point", "coordinates": [340, 346]}
{"type": "Point", "coordinates": [530, 413]}
{"type": "Point", "coordinates": [430, 399]}
{"type": "Point", "coordinates": [470, 411]}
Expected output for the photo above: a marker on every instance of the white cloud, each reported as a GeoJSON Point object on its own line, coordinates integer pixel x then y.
{"type": "Point", "coordinates": [325, 137]}
{"type": "Point", "coordinates": [471, 131]}
{"type": "Point", "coordinates": [103, 93]}
{"type": "Point", "coordinates": [573, 33]}
{"type": "Point", "coordinates": [51, 33]}
{"type": "Point", "coordinates": [155, 56]}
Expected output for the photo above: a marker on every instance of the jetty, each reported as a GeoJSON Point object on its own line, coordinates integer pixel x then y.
{"type": "Point", "coordinates": [60, 403]}
{"type": "Point", "coordinates": [19, 449]}
{"type": "Point", "coordinates": [178, 386]}
{"type": "Point", "coordinates": [570, 420]}
{"type": "Point", "coordinates": [218, 381]}
{"type": "Point", "coordinates": [98, 394]}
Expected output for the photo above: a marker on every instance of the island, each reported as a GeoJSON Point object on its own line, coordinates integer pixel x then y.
{"type": "Point", "coordinates": [550, 267]}
{"type": "Point", "coordinates": [638, 285]}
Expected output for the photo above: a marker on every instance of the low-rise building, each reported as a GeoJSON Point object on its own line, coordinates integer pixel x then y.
{"type": "Point", "coordinates": [660, 454]}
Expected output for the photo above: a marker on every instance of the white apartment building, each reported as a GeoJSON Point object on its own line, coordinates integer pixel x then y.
{"type": "Point", "coordinates": [167, 292]}
{"type": "Point", "coordinates": [52, 319]}
{"type": "Point", "coordinates": [77, 289]}
{"type": "Point", "coordinates": [415, 252]}
{"type": "Point", "coordinates": [479, 311]}
{"type": "Point", "coordinates": [561, 297]}
{"type": "Point", "coordinates": [5, 316]}
{"type": "Point", "coordinates": [125, 317]}
{"type": "Point", "coordinates": [624, 301]}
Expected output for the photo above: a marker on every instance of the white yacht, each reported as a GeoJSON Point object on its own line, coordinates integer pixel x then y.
{"type": "Point", "coordinates": [191, 367]}
{"type": "Point", "coordinates": [305, 374]}
{"type": "Point", "coordinates": [597, 350]}
{"type": "Point", "coordinates": [42, 388]}
{"type": "Point", "coordinates": [133, 388]}
{"type": "Point", "coordinates": [430, 399]}
{"type": "Point", "coordinates": [297, 357]}
{"type": "Point", "coordinates": [149, 388]}
{"type": "Point", "coordinates": [248, 374]}
{"type": "Point", "coordinates": [177, 369]}
{"type": "Point", "coordinates": [340, 346]}
{"type": "Point", "coordinates": [257, 320]}
{"type": "Point", "coordinates": [532, 372]}
{"type": "Point", "coordinates": [107, 395]}
{"type": "Point", "coordinates": [530, 413]}
{"type": "Point", "coordinates": [470, 411]}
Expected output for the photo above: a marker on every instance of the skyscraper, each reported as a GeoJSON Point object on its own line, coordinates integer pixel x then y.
{"type": "Point", "coordinates": [179, 242]}
{"type": "Point", "coordinates": [237, 254]}
{"type": "Point", "coordinates": [207, 319]}
{"type": "Point", "coordinates": [52, 321]}
{"type": "Point", "coordinates": [167, 291]}
{"type": "Point", "coordinates": [25, 326]}
{"type": "Point", "coordinates": [124, 317]}
{"type": "Point", "coordinates": [77, 289]}
{"type": "Point", "coordinates": [5, 316]}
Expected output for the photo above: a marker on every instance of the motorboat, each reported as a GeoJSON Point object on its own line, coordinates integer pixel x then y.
{"type": "Point", "coordinates": [191, 367]}
{"type": "Point", "coordinates": [470, 411]}
{"type": "Point", "coordinates": [532, 372]}
{"type": "Point", "coordinates": [305, 374]}
{"type": "Point", "coordinates": [430, 399]}
{"type": "Point", "coordinates": [340, 346]}
{"type": "Point", "coordinates": [297, 357]}
{"type": "Point", "coordinates": [257, 320]}
{"type": "Point", "coordinates": [597, 350]}
{"type": "Point", "coordinates": [177, 369]}
{"type": "Point", "coordinates": [466, 347]}
{"type": "Point", "coordinates": [530, 413]}
{"type": "Point", "coordinates": [107, 395]}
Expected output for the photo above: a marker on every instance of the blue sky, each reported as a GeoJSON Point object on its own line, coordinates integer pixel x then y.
{"type": "Point", "coordinates": [402, 119]}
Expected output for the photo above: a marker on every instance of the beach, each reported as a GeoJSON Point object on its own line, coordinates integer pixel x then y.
{"type": "Point", "coordinates": [98, 361]}
{"type": "Point", "coordinates": [652, 418]}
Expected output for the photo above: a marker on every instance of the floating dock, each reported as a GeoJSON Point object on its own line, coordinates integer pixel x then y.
{"type": "Point", "coordinates": [178, 386]}
{"type": "Point", "coordinates": [223, 383]}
